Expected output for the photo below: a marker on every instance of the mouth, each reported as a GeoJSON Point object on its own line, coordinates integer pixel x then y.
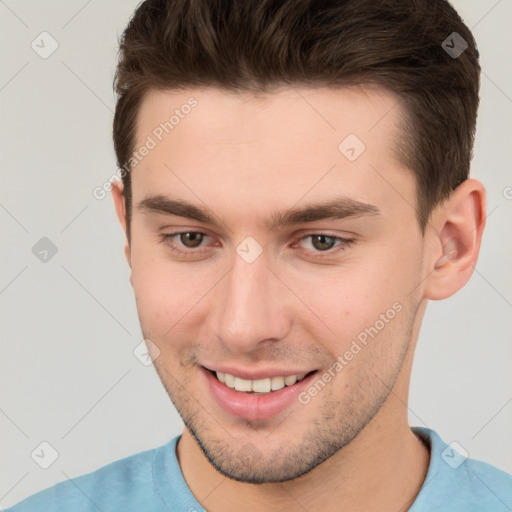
{"type": "Point", "coordinates": [259, 386]}
{"type": "Point", "coordinates": [255, 399]}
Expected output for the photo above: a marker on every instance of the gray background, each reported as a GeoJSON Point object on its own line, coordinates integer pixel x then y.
{"type": "Point", "coordinates": [68, 326]}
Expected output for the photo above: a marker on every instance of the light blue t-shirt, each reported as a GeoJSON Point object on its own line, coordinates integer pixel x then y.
{"type": "Point", "coordinates": [151, 481]}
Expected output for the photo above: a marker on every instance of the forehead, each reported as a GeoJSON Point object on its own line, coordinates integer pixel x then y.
{"type": "Point", "coordinates": [276, 147]}
{"type": "Point", "coordinates": [297, 113]}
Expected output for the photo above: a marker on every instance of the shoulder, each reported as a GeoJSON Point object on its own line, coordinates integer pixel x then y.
{"type": "Point", "coordinates": [456, 482]}
{"type": "Point", "coordinates": [126, 484]}
{"type": "Point", "coordinates": [487, 484]}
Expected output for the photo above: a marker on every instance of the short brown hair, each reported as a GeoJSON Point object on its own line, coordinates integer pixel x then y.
{"type": "Point", "coordinates": [256, 45]}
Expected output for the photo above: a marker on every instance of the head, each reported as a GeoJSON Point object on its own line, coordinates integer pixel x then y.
{"type": "Point", "coordinates": [314, 157]}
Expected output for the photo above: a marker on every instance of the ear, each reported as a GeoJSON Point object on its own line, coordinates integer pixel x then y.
{"type": "Point", "coordinates": [120, 206]}
{"type": "Point", "coordinates": [456, 228]}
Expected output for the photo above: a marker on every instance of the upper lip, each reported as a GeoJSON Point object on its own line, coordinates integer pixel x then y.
{"type": "Point", "coordinates": [255, 374]}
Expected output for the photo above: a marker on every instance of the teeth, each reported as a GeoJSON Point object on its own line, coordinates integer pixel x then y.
{"type": "Point", "coordinates": [242, 384]}
{"type": "Point", "coordinates": [260, 385]}
{"type": "Point", "coordinates": [291, 379]}
{"type": "Point", "coordinates": [229, 380]}
{"type": "Point", "coordinates": [277, 383]}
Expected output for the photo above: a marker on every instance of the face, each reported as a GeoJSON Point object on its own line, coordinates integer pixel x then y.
{"type": "Point", "coordinates": [264, 283]}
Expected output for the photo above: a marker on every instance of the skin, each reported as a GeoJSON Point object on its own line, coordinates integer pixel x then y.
{"type": "Point", "coordinates": [246, 157]}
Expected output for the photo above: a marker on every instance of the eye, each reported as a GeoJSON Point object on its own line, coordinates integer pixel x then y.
{"type": "Point", "coordinates": [188, 239]}
{"type": "Point", "coordinates": [191, 239]}
{"type": "Point", "coordinates": [323, 242]}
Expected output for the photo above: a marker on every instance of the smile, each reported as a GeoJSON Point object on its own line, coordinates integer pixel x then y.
{"type": "Point", "coordinates": [255, 399]}
{"type": "Point", "coordinates": [260, 386]}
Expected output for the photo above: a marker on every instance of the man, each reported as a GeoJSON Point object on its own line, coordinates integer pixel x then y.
{"type": "Point", "coordinates": [295, 189]}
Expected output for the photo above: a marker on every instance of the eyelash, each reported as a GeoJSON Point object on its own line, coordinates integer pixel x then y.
{"type": "Point", "coordinates": [343, 244]}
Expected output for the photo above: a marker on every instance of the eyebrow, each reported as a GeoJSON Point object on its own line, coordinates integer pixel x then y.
{"type": "Point", "coordinates": [338, 208]}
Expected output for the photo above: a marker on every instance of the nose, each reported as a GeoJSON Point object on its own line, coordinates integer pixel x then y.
{"type": "Point", "coordinates": [253, 307]}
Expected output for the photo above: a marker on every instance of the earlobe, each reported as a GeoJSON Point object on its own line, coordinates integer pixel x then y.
{"type": "Point", "coordinates": [120, 206]}
{"type": "Point", "coordinates": [458, 227]}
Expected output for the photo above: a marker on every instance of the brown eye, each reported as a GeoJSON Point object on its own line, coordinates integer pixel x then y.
{"type": "Point", "coordinates": [191, 239]}
{"type": "Point", "coordinates": [323, 242]}
{"type": "Point", "coordinates": [185, 243]}
{"type": "Point", "coordinates": [324, 245]}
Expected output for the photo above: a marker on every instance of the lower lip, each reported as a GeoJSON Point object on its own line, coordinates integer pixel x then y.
{"type": "Point", "coordinates": [254, 407]}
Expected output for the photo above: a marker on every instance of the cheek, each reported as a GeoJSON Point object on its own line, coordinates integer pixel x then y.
{"type": "Point", "coordinates": [164, 291]}
{"type": "Point", "coordinates": [360, 295]}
